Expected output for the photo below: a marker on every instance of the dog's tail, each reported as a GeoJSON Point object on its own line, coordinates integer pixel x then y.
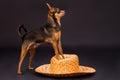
{"type": "Point", "coordinates": [21, 30]}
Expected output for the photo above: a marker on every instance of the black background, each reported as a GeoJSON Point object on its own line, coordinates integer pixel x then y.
{"type": "Point", "coordinates": [90, 28]}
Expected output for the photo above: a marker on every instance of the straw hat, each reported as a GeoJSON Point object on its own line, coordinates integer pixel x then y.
{"type": "Point", "coordinates": [64, 67]}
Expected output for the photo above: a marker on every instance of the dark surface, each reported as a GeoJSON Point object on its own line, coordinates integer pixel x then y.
{"type": "Point", "coordinates": [104, 59]}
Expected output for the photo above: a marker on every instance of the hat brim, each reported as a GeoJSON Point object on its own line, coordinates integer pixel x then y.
{"type": "Point", "coordinates": [84, 70]}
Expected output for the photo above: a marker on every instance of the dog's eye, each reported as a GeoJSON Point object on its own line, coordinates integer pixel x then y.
{"type": "Point", "coordinates": [58, 10]}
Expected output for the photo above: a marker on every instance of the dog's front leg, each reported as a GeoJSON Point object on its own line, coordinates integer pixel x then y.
{"type": "Point", "coordinates": [55, 47]}
{"type": "Point", "coordinates": [59, 45]}
{"type": "Point", "coordinates": [60, 48]}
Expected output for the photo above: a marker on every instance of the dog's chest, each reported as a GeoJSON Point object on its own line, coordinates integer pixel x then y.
{"type": "Point", "coordinates": [57, 35]}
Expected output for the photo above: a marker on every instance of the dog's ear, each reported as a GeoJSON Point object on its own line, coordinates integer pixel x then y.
{"type": "Point", "coordinates": [49, 7]}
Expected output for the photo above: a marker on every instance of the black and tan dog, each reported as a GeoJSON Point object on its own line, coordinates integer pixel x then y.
{"type": "Point", "coordinates": [50, 33]}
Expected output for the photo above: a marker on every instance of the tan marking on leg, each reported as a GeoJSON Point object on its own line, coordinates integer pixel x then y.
{"type": "Point", "coordinates": [22, 56]}
{"type": "Point", "coordinates": [32, 54]}
{"type": "Point", "coordinates": [59, 45]}
{"type": "Point", "coordinates": [54, 44]}
{"type": "Point", "coordinates": [60, 49]}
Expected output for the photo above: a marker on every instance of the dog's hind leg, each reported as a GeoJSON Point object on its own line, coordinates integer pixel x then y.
{"type": "Point", "coordinates": [32, 54]}
{"type": "Point", "coordinates": [24, 51]}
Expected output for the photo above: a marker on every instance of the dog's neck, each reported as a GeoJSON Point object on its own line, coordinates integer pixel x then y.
{"type": "Point", "coordinates": [53, 21]}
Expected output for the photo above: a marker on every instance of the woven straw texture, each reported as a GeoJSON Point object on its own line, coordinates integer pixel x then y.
{"type": "Point", "coordinates": [64, 67]}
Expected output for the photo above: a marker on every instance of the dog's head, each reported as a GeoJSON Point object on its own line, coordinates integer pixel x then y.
{"type": "Point", "coordinates": [55, 12]}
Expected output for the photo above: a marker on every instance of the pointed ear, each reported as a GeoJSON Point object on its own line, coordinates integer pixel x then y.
{"type": "Point", "coordinates": [49, 7]}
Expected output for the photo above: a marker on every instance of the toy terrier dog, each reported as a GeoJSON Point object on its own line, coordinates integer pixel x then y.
{"type": "Point", "coordinates": [49, 33]}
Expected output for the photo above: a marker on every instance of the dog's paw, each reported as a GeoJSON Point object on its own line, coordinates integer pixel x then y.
{"type": "Point", "coordinates": [19, 73]}
{"type": "Point", "coordinates": [30, 68]}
